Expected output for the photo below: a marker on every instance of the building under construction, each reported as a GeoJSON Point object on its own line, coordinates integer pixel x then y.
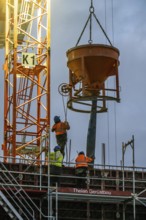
{"type": "Point", "coordinates": [111, 192]}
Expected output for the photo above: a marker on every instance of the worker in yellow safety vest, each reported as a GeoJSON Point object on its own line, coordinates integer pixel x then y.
{"type": "Point", "coordinates": [60, 128]}
{"type": "Point", "coordinates": [56, 160]}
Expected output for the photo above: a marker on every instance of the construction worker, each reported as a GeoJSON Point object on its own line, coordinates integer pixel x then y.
{"type": "Point", "coordinates": [81, 168]}
{"type": "Point", "coordinates": [56, 160]}
{"type": "Point", "coordinates": [60, 128]}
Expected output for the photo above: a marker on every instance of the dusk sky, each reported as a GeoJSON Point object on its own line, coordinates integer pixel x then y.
{"type": "Point", "coordinates": [124, 23]}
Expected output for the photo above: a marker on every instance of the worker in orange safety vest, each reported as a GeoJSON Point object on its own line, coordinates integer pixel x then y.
{"type": "Point", "coordinates": [81, 167]}
{"type": "Point", "coordinates": [60, 128]}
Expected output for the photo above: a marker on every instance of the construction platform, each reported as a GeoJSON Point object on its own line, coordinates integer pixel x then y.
{"type": "Point", "coordinates": [112, 193]}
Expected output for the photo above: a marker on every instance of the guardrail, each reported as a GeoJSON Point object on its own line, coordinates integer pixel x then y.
{"type": "Point", "coordinates": [35, 177]}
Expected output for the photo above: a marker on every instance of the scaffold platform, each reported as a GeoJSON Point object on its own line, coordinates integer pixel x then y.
{"type": "Point", "coordinates": [109, 191]}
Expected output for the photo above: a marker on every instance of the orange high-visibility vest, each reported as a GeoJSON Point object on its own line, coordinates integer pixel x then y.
{"type": "Point", "coordinates": [82, 161]}
{"type": "Point", "coordinates": [60, 128]}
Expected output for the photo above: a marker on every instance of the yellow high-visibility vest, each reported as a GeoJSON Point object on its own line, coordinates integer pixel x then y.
{"type": "Point", "coordinates": [56, 158]}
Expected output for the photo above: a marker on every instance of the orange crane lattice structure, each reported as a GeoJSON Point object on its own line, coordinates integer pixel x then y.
{"type": "Point", "coordinates": [27, 79]}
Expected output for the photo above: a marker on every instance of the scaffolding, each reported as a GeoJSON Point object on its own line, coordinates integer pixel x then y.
{"type": "Point", "coordinates": [103, 198]}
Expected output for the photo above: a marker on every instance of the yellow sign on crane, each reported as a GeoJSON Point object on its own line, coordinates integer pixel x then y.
{"type": "Point", "coordinates": [28, 59]}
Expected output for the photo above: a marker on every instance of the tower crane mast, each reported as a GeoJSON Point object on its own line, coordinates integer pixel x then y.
{"type": "Point", "coordinates": [26, 79]}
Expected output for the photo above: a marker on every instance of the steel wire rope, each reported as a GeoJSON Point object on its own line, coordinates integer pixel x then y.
{"type": "Point", "coordinates": [108, 121]}
{"type": "Point", "coordinates": [115, 112]}
{"type": "Point", "coordinates": [89, 19]}
{"type": "Point", "coordinates": [65, 115]}
{"type": "Point", "coordinates": [64, 108]}
{"type": "Point", "coordinates": [90, 29]}
{"type": "Point", "coordinates": [108, 124]}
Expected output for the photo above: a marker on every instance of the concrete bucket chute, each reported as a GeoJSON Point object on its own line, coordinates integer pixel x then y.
{"type": "Point", "coordinates": [89, 67]}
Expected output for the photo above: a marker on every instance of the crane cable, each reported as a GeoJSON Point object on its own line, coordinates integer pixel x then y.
{"type": "Point", "coordinates": [115, 112]}
{"type": "Point", "coordinates": [64, 108]}
{"type": "Point", "coordinates": [108, 124]}
{"type": "Point", "coordinates": [108, 135]}
{"type": "Point", "coordinates": [89, 19]}
{"type": "Point", "coordinates": [65, 115]}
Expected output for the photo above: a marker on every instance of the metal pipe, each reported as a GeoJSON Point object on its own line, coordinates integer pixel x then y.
{"type": "Point", "coordinates": [69, 151]}
{"type": "Point", "coordinates": [103, 155]}
{"type": "Point", "coordinates": [131, 143]}
{"type": "Point", "coordinates": [56, 203]}
{"type": "Point", "coordinates": [48, 184]}
{"type": "Point", "coordinates": [123, 166]}
{"type": "Point", "coordinates": [124, 211]}
{"type": "Point", "coordinates": [134, 208]}
{"type": "Point", "coordinates": [88, 210]}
